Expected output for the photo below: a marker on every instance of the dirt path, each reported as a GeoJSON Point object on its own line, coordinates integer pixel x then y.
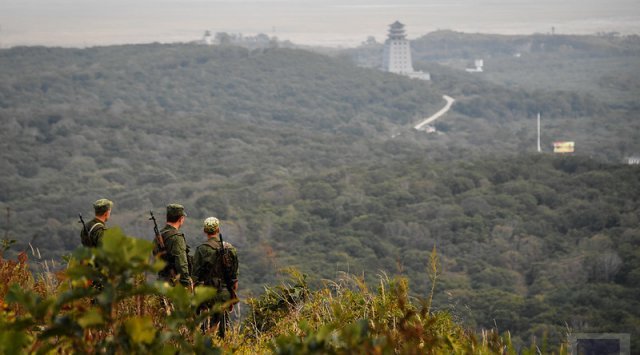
{"type": "Point", "coordinates": [437, 115]}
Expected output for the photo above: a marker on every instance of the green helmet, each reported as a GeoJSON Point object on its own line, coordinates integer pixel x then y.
{"type": "Point", "coordinates": [101, 206]}
{"type": "Point", "coordinates": [211, 225]}
{"type": "Point", "coordinates": [175, 210]}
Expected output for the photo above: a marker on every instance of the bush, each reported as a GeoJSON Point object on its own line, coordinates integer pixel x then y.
{"type": "Point", "coordinates": [125, 316]}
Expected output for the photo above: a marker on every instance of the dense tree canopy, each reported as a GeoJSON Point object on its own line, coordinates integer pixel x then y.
{"type": "Point", "coordinates": [310, 161]}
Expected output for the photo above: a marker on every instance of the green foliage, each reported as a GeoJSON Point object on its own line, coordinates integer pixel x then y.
{"type": "Point", "coordinates": [313, 162]}
{"type": "Point", "coordinates": [275, 303]}
{"type": "Point", "coordinates": [6, 245]}
{"type": "Point", "coordinates": [345, 318]}
{"type": "Point", "coordinates": [433, 270]}
{"type": "Point", "coordinates": [111, 318]}
{"type": "Point", "coordinates": [342, 317]}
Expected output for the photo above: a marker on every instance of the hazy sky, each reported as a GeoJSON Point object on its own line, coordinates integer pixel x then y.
{"type": "Point", "coordinates": [329, 22]}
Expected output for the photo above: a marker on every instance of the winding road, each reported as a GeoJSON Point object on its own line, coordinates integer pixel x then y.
{"type": "Point", "coordinates": [437, 115]}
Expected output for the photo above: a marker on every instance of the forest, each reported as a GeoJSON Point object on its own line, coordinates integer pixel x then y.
{"type": "Point", "coordinates": [310, 161]}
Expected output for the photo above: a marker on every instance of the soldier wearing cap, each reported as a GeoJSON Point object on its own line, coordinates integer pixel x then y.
{"type": "Point", "coordinates": [217, 266]}
{"type": "Point", "coordinates": [91, 235]}
{"type": "Point", "coordinates": [176, 251]}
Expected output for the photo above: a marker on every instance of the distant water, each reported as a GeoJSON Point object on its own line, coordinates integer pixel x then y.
{"type": "Point", "coordinates": [81, 23]}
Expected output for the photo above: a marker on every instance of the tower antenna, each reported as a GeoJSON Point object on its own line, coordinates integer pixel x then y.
{"type": "Point", "coordinates": [539, 149]}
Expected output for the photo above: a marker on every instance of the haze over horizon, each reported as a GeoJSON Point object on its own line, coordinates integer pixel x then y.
{"type": "Point", "coordinates": [80, 23]}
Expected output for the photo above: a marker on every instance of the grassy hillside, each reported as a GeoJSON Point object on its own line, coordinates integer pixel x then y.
{"type": "Point", "coordinates": [526, 243]}
{"type": "Point", "coordinates": [130, 315]}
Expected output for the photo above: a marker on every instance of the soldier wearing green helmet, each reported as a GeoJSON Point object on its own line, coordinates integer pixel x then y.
{"type": "Point", "coordinates": [92, 232]}
{"type": "Point", "coordinates": [176, 250]}
{"type": "Point", "coordinates": [216, 265]}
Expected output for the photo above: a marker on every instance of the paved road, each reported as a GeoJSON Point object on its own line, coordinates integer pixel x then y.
{"type": "Point", "coordinates": [437, 115]}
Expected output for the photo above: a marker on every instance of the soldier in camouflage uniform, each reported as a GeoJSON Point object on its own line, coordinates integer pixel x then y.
{"type": "Point", "coordinates": [92, 235]}
{"type": "Point", "coordinates": [176, 250]}
{"type": "Point", "coordinates": [217, 267]}
{"type": "Point", "coordinates": [92, 232]}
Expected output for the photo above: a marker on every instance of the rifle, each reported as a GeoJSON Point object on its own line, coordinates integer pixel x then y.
{"type": "Point", "coordinates": [159, 250]}
{"type": "Point", "coordinates": [226, 273]}
{"type": "Point", "coordinates": [158, 237]}
{"type": "Point", "coordinates": [84, 226]}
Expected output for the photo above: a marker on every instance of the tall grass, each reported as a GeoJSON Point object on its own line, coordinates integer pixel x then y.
{"type": "Point", "coordinates": [60, 312]}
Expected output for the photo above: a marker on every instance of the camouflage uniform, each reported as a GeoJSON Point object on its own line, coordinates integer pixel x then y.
{"type": "Point", "coordinates": [176, 252]}
{"type": "Point", "coordinates": [95, 229]}
{"type": "Point", "coordinates": [176, 256]}
{"type": "Point", "coordinates": [92, 236]}
{"type": "Point", "coordinates": [207, 266]}
{"type": "Point", "coordinates": [208, 269]}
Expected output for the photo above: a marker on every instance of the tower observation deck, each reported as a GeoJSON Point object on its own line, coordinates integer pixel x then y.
{"type": "Point", "coordinates": [397, 53]}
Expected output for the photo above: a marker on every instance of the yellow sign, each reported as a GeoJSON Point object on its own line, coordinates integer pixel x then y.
{"type": "Point", "coordinates": [563, 147]}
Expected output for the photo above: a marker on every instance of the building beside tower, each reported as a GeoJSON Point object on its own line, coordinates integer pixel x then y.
{"type": "Point", "coordinates": [397, 54]}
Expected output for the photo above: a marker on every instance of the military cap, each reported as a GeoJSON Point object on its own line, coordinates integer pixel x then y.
{"type": "Point", "coordinates": [211, 225]}
{"type": "Point", "coordinates": [101, 206]}
{"type": "Point", "coordinates": [175, 210]}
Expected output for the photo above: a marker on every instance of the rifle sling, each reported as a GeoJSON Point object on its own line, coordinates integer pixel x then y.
{"type": "Point", "coordinates": [97, 224]}
{"type": "Point", "coordinates": [169, 233]}
{"type": "Point", "coordinates": [92, 227]}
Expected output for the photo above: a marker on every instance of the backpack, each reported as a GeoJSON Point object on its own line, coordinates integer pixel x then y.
{"type": "Point", "coordinates": [86, 238]}
{"type": "Point", "coordinates": [215, 276]}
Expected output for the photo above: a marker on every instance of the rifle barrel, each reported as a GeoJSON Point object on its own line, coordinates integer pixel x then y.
{"type": "Point", "coordinates": [158, 236]}
{"type": "Point", "coordinates": [84, 226]}
{"type": "Point", "coordinates": [226, 271]}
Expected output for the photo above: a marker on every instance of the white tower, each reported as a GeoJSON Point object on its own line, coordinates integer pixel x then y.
{"type": "Point", "coordinates": [397, 52]}
{"type": "Point", "coordinates": [207, 38]}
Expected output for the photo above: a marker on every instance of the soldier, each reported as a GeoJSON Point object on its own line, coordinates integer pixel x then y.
{"type": "Point", "coordinates": [216, 265]}
{"type": "Point", "coordinates": [176, 250]}
{"type": "Point", "coordinates": [91, 234]}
